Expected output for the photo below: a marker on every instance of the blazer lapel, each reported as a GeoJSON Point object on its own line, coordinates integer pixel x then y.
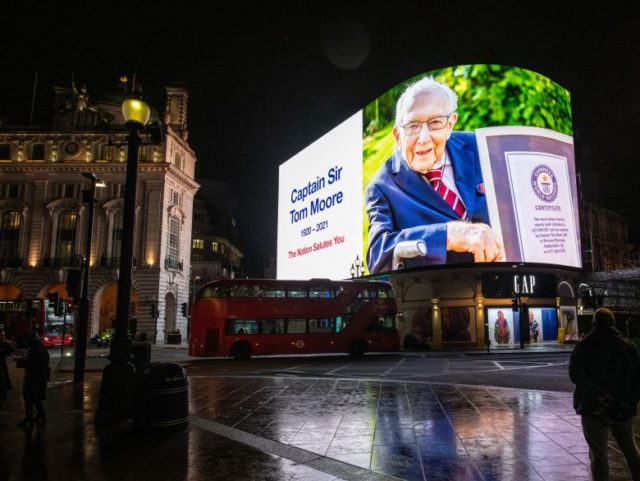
{"type": "Point", "coordinates": [463, 172]}
{"type": "Point", "coordinates": [413, 184]}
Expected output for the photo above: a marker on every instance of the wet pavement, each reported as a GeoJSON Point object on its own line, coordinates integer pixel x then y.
{"type": "Point", "coordinates": [285, 428]}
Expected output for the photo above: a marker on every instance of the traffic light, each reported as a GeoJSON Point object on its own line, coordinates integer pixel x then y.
{"type": "Point", "coordinates": [184, 309]}
{"type": "Point", "coordinates": [54, 300]}
{"type": "Point", "coordinates": [514, 305]}
{"type": "Point", "coordinates": [153, 310]}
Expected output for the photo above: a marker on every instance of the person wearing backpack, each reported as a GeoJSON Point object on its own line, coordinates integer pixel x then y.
{"type": "Point", "coordinates": [605, 368]}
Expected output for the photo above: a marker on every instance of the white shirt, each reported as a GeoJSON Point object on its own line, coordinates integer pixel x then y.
{"type": "Point", "coordinates": [447, 174]}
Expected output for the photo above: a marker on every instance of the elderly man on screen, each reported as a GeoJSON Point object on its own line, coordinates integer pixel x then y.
{"type": "Point", "coordinates": [426, 203]}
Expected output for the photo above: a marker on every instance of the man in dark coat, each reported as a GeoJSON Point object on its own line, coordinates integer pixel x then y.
{"type": "Point", "coordinates": [605, 368]}
{"type": "Point", "coordinates": [36, 376]}
{"type": "Point", "coordinates": [6, 348]}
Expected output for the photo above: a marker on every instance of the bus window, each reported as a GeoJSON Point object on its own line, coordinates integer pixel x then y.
{"type": "Point", "coordinates": [254, 291]}
{"type": "Point", "coordinates": [320, 325]}
{"type": "Point", "coordinates": [242, 326]}
{"type": "Point", "coordinates": [321, 292]}
{"type": "Point", "coordinates": [270, 291]}
{"type": "Point", "coordinates": [296, 292]}
{"type": "Point", "coordinates": [390, 293]}
{"type": "Point", "coordinates": [343, 321]}
{"type": "Point", "coordinates": [367, 294]}
{"type": "Point", "coordinates": [296, 326]}
{"type": "Point", "coordinates": [213, 291]}
{"type": "Point", "coordinates": [382, 324]}
{"type": "Point", "coordinates": [239, 290]}
{"type": "Point", "coordinates": [272, 326]}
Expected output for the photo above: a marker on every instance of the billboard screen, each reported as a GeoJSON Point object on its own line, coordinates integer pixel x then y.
{"type": "Point", "coordinates": [465, 164]}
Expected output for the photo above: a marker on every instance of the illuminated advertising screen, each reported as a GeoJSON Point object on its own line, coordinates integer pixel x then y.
{"type": "Point", "coordinates": [465, 164]}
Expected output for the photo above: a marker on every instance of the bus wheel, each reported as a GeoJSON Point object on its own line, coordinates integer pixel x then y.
{"type": "Point", "coordinates": [241, 351]}
{"type": "Point", "coordinates": [357, 348]}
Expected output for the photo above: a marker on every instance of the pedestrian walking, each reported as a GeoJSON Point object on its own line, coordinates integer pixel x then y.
{"type": "Point", "coordinates": [6, 348]}
{"type": "Point", "coordinates": [605, 368]}
{"type": "Point", "coordinates": [36, 376]}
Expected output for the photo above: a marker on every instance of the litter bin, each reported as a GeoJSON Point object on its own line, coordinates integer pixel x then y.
{"type": "Point", "coordinates": [561, 335]}
{"type": "Point", "coordinates": [161, 397]}
{"type": "Point", "coordinates": [141, 352]}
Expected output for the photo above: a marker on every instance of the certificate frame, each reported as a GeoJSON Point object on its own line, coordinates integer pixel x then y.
{"type": "Point", "coordinates": [513, 195]}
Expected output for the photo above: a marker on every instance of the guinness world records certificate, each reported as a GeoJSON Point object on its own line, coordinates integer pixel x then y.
{"type": "Point", "coordinates": [529, 177]}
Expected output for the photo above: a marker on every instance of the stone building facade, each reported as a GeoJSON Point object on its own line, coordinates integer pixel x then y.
{"type": "Point", "coordinates": [44, 220]}
{"type": "Point", "coordinates": [214, 246]}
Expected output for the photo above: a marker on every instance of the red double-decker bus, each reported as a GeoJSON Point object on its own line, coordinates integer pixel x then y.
{"type": "Point", "coordinates": [246, 317]}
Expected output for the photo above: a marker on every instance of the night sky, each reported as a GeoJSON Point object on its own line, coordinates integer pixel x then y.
{"type": "Point", "coordinates": [267, 82]}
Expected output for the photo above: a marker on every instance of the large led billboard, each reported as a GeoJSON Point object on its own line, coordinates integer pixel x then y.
{"type": "Point", "coordinates": [465, 164]}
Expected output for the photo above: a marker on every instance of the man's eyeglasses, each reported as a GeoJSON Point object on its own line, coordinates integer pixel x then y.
{"type": "Point", "coordinates": [433, 124]}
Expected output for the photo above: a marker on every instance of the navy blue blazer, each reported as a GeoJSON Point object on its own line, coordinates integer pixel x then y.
{"type": "Point", "coordinates": [402, 206]}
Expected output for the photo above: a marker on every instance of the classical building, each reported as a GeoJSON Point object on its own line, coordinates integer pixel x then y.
{"type": "Point", "coordinates": [44, 220]}
{"type": "Point", "coordinates": [611, 275]}
{"type": "Point", "coordinates": [214, 246]}
{"type": "Point", "coordinates": [605, 239]}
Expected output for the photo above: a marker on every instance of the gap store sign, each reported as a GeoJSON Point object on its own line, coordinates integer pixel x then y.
{"type": "Point", "coordinates": [519, 284]}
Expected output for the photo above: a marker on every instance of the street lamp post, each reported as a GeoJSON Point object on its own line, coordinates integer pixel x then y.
{"type": "Point", "coordinates": [89, 196]}
{"type": "Point", "coordinates": [357, 269]}
{"type": "Point", "coordinates": [116, 390]}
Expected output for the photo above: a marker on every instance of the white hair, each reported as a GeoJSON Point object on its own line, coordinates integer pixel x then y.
{"type": "Point", "coordinates": [424, 86]}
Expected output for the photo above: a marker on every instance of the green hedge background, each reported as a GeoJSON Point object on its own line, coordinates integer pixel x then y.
{"type": "Point", "coordinates": [488, 96]}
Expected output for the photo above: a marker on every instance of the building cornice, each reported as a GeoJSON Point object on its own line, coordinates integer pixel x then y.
{"type": "Point", "coordinates": [191, 183]}
{"type": "Point", "coordinates": [48, 168]}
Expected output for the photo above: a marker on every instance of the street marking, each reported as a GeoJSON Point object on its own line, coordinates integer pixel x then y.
{"type": "Point", "coordinates": [393, 367]}
{"type": "Point", "coordinates": [499, 365]}
{"type": "Point", "coordinates": [299, 456]}
{"type": "Point", "coordinates": [338, 369]}
{"type": "Point", "coordinates": [295, 367]}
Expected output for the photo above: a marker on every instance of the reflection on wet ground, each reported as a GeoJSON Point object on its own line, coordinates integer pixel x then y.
{"type": "Point", "coordinates": [312, 429]}
{"type": "Point", "coordinates": [409, 430]}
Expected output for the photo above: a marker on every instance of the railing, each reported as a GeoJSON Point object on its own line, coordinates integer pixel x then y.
{"type": "Point", "coordinates": [71, 261]}
{"type": "Point", "coordinates": [170, 263]}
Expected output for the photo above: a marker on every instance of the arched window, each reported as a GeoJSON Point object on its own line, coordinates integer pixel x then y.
{"type": "Point", "coordinates": [66, 236]}
{"type": "Point", "coordinates": [116, 235]}
{"type": "Point", "coordinates": [10, 234]}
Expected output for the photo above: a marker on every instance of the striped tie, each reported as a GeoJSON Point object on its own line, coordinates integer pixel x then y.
{"type": "Point", "coordinates": [450, 197]}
